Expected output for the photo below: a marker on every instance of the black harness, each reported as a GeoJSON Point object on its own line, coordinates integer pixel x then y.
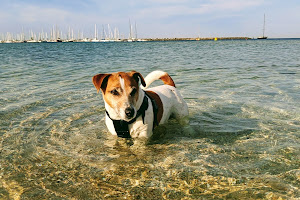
{"type": "Point", "coordinates": [121, 126]}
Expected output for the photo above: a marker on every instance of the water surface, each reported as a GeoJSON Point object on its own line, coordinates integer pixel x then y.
{"type": "Point", "coordinates": [243, 141]}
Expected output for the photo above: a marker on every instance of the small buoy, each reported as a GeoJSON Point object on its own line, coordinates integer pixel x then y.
{"type": "Point", "coordinates": [216, 39]}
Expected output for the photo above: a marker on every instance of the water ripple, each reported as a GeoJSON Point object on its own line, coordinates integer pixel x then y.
{"type": "Point", "coordinates": [242, 141]}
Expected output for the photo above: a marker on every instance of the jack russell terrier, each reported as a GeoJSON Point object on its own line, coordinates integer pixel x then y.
{"type": "Point", "coordinates": [133, 111]}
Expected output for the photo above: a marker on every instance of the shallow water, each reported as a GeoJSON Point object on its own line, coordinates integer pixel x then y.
{"type": "Point", "coordinates": [243, 141]}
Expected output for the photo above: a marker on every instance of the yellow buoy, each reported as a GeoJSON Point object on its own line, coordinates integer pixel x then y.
{"type": "Point", "coordinates": [216, 39]}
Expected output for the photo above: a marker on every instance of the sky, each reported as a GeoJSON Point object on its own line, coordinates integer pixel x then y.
{"type": "Point", "coordinates": [155, 18]}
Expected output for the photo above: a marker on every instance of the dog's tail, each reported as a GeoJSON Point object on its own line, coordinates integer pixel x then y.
{"type": "Point", "coordinates": [155, 75]}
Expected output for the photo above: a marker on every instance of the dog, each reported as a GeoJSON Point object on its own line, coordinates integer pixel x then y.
{"type": "Point", "coordinates": [133, 111]}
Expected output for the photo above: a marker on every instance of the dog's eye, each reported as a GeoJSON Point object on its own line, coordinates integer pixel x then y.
{"type": "Point", "coordinates": [114, 92]}
{"type": "Point", "coordinates": [133, 92]}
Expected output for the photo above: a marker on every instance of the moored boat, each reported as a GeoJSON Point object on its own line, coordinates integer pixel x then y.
{"type": "Point", "coordinates": [263, 36]}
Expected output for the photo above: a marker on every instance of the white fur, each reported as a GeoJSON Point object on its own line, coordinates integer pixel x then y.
{"type": "Point", "coordinates": [122, 84]}
{"type": "Point", "coordinates": [173, 104]}
{"type": "Point", "coordinates": [172, 101]}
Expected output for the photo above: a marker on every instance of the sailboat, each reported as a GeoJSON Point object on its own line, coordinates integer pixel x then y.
{"type": "Point", "coordinates": [96, 35]}
{"type": "Point", "coordinates": [130, 38]}
{"type": "Point", "coordinates": [263, 36]}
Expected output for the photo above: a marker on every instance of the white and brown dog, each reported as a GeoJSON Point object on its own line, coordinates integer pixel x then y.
{"type": "Point", "coordinates": [134, 111]}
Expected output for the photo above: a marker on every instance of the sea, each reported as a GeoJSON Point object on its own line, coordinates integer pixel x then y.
{"type": "Point", "coordinates": [242, 140]}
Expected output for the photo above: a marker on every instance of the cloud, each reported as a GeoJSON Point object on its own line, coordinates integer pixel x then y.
{"type": "Point", "coordinates": [153, 17]}
{"type": "Point", "coordinates": [114, 10]}
{"type": "Point", "coordinates": [178, 8]}
{"type": "Point", "coordinates": [33, 14]}
{"type": "Point", "coordinates": [20, 14]}
{"type": "Point", "coordinates": [233, 5]}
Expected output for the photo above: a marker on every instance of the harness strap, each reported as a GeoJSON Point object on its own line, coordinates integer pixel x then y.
{"type": "Point", "coordinates": [121, 126]}
{"type": "Point", "coordinates": [141, 111]}
{"type": "Point", "coordinates": [155, 110]}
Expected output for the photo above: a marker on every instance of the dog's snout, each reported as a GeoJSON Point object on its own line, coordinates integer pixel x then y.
{"type": "Point", "coordinates": [129, 112]}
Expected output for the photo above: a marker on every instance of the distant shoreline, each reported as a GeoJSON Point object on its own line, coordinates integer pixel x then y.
{"type": "Point", "coordinates": [198, 39]}
{"type": "Point", "coordinates": [144, 40]}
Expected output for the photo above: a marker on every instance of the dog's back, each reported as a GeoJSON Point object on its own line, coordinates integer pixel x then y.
{"type": "Point", "coordinates": [173, 102]}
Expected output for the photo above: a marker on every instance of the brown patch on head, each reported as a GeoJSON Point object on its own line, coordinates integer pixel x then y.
{"type": "Point", "coordinates": [130, 83]}
{"type": "Point", "coordinates": [122, 89]}
{"type": "Point", "coordinates": [100, 81]}
{"type": "Point", "coordinates": [137, 76]}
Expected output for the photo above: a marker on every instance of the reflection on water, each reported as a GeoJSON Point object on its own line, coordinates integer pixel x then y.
{"type": "Point", "coordinates": [242, 141]}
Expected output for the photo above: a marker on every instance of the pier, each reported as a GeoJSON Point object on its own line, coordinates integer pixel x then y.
{"type": "Point", "coordinates": [197, 39]}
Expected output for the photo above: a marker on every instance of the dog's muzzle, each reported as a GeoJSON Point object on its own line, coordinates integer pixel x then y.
{"type": "Point", "coordinates": [129, 112]}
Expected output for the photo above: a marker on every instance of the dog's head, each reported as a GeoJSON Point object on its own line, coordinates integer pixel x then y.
{"type": "Point", "coordinates": [120, 92]}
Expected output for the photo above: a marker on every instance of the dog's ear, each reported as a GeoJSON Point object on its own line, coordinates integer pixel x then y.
{"type": "Point", "coordinates": [137, 76]}
{"type": "Point", "coordinates": [100, 81]}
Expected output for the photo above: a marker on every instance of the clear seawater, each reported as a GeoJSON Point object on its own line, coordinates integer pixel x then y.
{"type": "Point", "coordinates": [243, 140]}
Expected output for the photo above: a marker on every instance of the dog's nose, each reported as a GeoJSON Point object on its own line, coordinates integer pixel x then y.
{"type": "Point", "coordinates": [129, 112]}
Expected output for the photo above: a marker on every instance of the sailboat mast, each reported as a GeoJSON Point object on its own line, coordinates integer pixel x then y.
{"type": "Point", "coordinates": [264, 25]}
{"type": "Point", "coordinates": [95, 32]}
{"type": "Point", "coordinates": [135, 32]}
{"type": "Point", "coordinates": [130, 34]}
